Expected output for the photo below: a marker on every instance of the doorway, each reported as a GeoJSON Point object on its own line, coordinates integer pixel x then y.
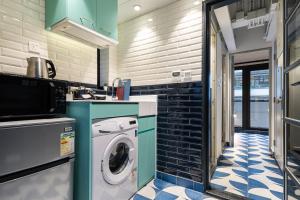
{"type": "Point", "coordinates": [240, 156]}
{"type": "Point", "coordinates": [251, 98]}
{"type": "Point", "coordinates": [247, 168]}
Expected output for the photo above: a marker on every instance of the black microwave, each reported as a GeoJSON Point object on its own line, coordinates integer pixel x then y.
{"type": "Point", "coordinates": [24, 97]}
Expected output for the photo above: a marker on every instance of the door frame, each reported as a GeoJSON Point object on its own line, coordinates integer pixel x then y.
{"type": "Point", "coordinates": [287, 67]}
{"type": "Point", "coordinates": [271, 111]}
{"type": "Point", "coordinates": [246, 116]}
{"type": "Point", "coordinates": [207, 5]}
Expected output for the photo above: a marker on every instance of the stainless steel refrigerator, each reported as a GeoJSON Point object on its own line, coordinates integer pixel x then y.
{"type": "Point", "coordinates": [37, 159]}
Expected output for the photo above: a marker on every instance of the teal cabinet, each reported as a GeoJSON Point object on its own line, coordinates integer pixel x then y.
{"type": "Point", "coordinates": [84, 113]}
{"type": "Point", "coordinates": [147, 150]}
{"type": "Point", "coordinates": [107, 18]}
{"type": "Point", "coordinates": [83, 12]}
{"type": "Point", "coordinates": [97, 15]}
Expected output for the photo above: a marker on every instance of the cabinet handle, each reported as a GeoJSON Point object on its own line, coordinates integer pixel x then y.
{"type": "Point", "coordinates": [106, 32]}
{"type": "Point", "coordinates": [91, 22]}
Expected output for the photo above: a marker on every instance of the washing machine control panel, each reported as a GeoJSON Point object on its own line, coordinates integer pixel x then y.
{"type": "Point", "coordinates": [121, 126]}
{"type": "Point", "coordinates": [113, 125]}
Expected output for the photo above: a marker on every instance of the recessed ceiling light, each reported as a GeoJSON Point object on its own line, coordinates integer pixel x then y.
{"type": "Point", "coordinates": [137, 7]}
{"type": "Point", "coordinates": [150, 20]}
{"type": "Point", "coordinates": [196, 3]}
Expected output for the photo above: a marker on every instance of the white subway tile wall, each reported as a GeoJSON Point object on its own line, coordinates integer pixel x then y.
{"type": "Point", "coordinates": [149, 51]}
{"type": "Point", "coordinates": [22, 21]}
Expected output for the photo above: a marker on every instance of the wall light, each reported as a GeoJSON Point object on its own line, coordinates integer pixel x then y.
{"type": "Point", "coordinates": [196, 3]}
{"type": "Point", "coordinates": [137, 7]}
{"type": "Point", "coordinates": [150, 20]}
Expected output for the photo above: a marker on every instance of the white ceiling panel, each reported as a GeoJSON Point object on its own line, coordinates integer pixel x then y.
{"type": "Point", "coordinates": [126, 11]}
{"type": "Point", "coordinates": [224, 20]}
{"type": "Point", "coordinates": [252, 56]}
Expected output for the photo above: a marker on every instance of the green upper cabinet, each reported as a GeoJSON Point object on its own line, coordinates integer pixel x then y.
{"type": "Point", "coordinates": [56, 10]}
{"type": "Point", "coordinates": [107, 17]}
{"type": "Point", "coordinates": [97, 15]}
{"type": "Point", "coordinates": [83, 12]}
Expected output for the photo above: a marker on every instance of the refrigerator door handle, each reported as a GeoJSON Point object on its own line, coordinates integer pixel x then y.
{"type": "Point", "coordinates": [34, 170]}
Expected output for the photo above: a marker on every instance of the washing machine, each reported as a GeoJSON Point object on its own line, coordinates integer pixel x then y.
{"type": "Point", "coordinates": [114, 158]}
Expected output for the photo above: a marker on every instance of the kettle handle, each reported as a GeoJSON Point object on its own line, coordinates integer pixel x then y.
{"type": "Point", "coordinates": [52, 71]}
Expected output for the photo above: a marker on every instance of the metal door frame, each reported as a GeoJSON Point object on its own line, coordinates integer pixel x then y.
{"type": "Point", "coordinates": [286, 69]}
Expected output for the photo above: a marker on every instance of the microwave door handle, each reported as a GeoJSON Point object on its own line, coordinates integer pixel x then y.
{"type": "Point", "coordinates": [52, 98]}
{"type": "Point", "coordinates": [51, 70]}
{"type": "Point", "coordinates": [296, 83]}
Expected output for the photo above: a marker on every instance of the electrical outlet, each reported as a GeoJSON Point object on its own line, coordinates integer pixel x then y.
{"type": "Point", "coordinates": [176, 76]}
{"type": "Point", "coordinates": [34, 47]}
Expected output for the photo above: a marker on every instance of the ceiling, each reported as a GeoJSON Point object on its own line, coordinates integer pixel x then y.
{"type": "Point", "coordinates": [126, 11]}
{"type": "Point", "coordinates": [247, 24]}
{"type": "Point", "coordinates": [247, 6]}
{"type": "Point", "coordinates": [252, 56]}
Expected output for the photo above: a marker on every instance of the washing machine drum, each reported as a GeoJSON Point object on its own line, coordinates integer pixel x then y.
{"type": "Point", "coordinates": [118, 160]}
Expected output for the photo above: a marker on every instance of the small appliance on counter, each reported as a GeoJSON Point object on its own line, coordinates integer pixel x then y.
{"type": "Point", "coordinates": [40, 68]}
{"type": "Point", "coordinates": [83, 93]}
{"type": "Point", "coordinates": [126, 85]}
{"type": "Point", "coordinates": [37, 159]}
{"type": "Point", "coordinates": [122, 90]}
{"type": "Point", "coordinates": [25, 97]}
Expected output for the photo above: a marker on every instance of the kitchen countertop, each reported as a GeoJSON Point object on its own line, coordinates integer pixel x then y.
{"type": "Point", "coordinates": [132, 99]}
{"type": "Point", "coordinates": [147, 103]}
{"type": "Point", "coordinates": [102, 101]}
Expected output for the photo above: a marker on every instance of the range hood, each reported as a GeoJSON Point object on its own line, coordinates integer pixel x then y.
{"type": "Point", "coordinates": [78, 31]}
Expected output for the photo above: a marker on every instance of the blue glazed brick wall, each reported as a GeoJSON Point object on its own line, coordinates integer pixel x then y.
{"type": "Point", "coordinates": [179, 128]}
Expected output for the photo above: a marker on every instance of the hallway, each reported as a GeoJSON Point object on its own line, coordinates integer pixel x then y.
{"type": "Point", "coordinates": [248, 169]}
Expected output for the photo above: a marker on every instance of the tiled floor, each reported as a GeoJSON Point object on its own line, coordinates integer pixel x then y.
{"type": "Point", "coordinates": [161, 190]}
{"type": "Point", "coordinates": [248, 170]}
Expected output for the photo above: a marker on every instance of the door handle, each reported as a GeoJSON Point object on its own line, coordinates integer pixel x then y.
{"type": "Point", "coordinates": [277, 100]}
{"type": "Point", "coordinates": [131, 154]}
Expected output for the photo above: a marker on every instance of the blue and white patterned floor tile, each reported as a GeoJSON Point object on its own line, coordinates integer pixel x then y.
{"type": "Point", "coordinates": [248, 170]}
{"type": "Point", "coordinates": [161, 190]}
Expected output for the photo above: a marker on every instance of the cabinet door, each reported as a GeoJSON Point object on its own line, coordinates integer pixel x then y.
{"type": "Point", "coordinates": [107, 14]}
{"type": "Point", "coordinates": [147, 123]}
{"type": "Point", "coordinates": [83, 12]}
{"type": "Point", "coordinates": [146, 157]}
{"type": "Point", "coordinates": [55, 12]}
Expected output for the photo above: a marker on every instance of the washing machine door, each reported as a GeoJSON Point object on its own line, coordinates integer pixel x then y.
{"type": "Point", "coordinates": [118, 160]}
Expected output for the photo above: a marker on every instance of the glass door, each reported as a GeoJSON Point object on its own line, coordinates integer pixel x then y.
{"type": "Point", "coordinates": [237, 98]}
{"type": "Point", "coordinates": [251, 98]}
{"type": "Point", "coordinates": [259, 99]}
{"type": "Point", "coordinates": [292, 100]}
